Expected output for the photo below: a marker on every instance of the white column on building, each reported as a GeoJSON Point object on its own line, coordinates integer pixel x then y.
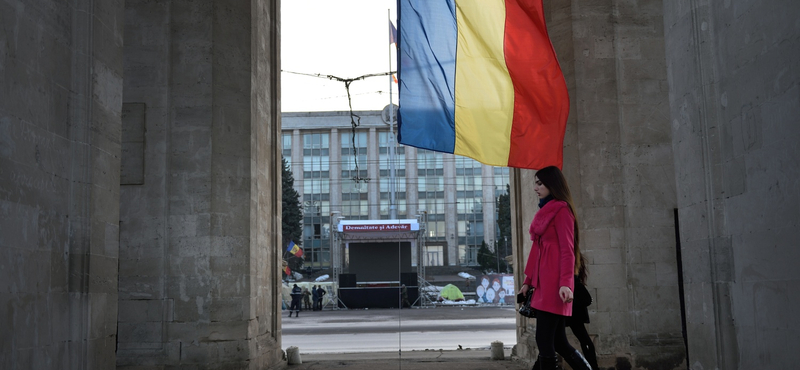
{"type": "Point", "coordinates": [412, 191]}
{"type": "Point", "coordinates": [450, 209]}
{"type": "Point", "coordinates": [297, 162]}
{"type": "Point", "coordinates": [374, 175]}
{"type": "Point", "coordinates": [489, 205]}
{"type": "Point", "coordinates": [335, 154]}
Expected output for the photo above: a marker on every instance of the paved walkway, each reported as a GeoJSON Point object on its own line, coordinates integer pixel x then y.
{"type": "Point", "coordinates": [460, 322]}
{"type": "Point", "coordinates": [414, 360]}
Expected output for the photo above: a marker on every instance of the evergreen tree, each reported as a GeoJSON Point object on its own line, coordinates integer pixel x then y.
{"type": "Point", "coordinates": [486, 258]}
{"type": "Point", "coordinates": [292, 215]}
{"type": "Point", "coordinates": [504, 215]}
{"type": "Point", "coordinates": [504, 225]}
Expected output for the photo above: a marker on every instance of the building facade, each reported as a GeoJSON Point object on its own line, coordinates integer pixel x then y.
{"type": "Point", "coordinates": [342, 171]}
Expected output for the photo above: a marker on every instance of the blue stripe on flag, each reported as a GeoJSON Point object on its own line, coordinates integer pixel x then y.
{"type": "Point", "coordinates": [427, 69]}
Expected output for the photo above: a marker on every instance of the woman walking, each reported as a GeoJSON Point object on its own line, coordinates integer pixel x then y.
{"type": "Point", "coordinates": [550, 271]}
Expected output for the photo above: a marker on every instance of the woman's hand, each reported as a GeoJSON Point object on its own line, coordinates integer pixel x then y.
{"type": "Point", "coordinates": [524, 289]}
{"type": "Point", "coordinates": [566, 294]}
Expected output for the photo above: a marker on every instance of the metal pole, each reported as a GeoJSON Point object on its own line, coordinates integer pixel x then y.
{"type": "Point", "coordinates": [505, 250]}
{"type": "Point", "coordinates": [392, 203]}
{"type": "Point", "coordinates": [497, 255]}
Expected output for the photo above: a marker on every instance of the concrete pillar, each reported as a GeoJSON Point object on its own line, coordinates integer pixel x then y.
{"type": "Point", "coordinates": [734, 102]}
{"type": "Point", "coordinates": [617, 160]}
{"type": "Point", "coordinates": [201, 244]}
{"type": "Point", "coordinates": [60, 112]}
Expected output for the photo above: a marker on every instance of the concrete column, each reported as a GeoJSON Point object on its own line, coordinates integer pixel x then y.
{"type": "Point", "coordinates": [617, 156]}
{"type": "Point", "coordinates": [734, 103]}
{"type": "Point", "coordinates": [202, 295]}
{"type": "Point", "coordinates": [60, 114]}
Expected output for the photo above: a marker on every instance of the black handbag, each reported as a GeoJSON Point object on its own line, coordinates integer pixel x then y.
{"type": "Point", "coordinates": [525, 301]}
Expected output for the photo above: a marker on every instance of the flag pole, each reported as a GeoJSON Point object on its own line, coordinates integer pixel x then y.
{"type": "Point", "coordinates": [392, 201]}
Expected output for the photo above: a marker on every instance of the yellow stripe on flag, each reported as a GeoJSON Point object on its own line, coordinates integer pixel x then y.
{"type": "Point", "coordinates": [484, 91]}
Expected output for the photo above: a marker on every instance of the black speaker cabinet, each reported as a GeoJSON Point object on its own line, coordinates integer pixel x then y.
{"type": "Point", "coordinates": [347, 280]}
{"type": "Point", "coordinates": [408, 278]}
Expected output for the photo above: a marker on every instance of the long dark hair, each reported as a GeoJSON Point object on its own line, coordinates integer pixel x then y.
{"type": "Point", "coordinates": [552, 178]}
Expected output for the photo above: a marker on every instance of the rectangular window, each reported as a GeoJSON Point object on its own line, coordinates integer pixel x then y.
{"type": "Point", "coordinates": [286, 140]}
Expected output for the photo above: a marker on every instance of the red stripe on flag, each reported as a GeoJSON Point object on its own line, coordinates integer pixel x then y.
{"type": "Point", "coordinates": [541, 99]}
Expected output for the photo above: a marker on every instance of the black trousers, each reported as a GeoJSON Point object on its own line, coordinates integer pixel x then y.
{"type": "Point", "coordinates": [295, 305]}
{"type": "Point", "coordinates": [551, 336]}
{"type": "Point", "coordinates": [587, 346]}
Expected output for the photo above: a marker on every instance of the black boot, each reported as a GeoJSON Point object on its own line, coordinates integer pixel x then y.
{"type": "Point", "coordinates": [548, 363]}
{"type": "Point", "coordinates": [290, 313]}
{"type": "Point", "coordinates": [576, 361]}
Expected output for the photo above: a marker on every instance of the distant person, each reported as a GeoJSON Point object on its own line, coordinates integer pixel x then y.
{"type": "Point", "coordinates": [580, 315]}
{"type": "Point", "coordinates": [550, 270]}
{"type": "Point", "coordinates": [296, 294]}
{"type": "Point", "coordinates": [404, 296]}
{"type": "Point", "coordinates": [306, 299]}
{"type": "Point", "coordinates": [314, 296]}
{"type": "Point", "coordinates": [320, 294]}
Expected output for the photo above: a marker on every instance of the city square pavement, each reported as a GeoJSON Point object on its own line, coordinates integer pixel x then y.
{"type": "Point", "coordinates": [431, 338]}
{"type": "Point", "coordinates": [416, 360]}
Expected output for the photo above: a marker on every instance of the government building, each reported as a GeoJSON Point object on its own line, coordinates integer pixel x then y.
{"type": "Point", "coordinates": [341, 168]}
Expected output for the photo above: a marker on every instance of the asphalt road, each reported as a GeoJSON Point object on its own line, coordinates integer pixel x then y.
{"type": "Point", "coordinates": [386, 330]}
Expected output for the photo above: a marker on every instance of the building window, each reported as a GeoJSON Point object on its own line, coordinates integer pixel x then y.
{"type": "Point", "coordinates": [286, 140]}
{"type": "Point", "coordinates": [316, 199]}
{"type": "Point", "coordinates": [355, 200]}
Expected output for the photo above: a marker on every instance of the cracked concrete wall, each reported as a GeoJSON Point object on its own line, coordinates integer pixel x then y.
{"type": "Point", "coordinates": [200, 246]}
{"type": "Point", "coordinates": [60, 102]}
{"type": "Point", "coordinates": [618, 161]}
{"type": "Point", "coordinates": [735, 102]}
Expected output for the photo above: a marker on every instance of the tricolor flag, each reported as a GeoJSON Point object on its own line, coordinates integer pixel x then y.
{"type": "Point", "coordinates": [294, 249]}
{"type": "Point", "coordinates": [287, 271]}
{"type": "Point", "coordinates": [480, 78]}
{"type": "Point", "coordinates": [392, 34]}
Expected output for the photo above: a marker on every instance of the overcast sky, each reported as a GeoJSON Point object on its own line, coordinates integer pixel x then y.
{"type": "Point", "coordinates": [344, 38]}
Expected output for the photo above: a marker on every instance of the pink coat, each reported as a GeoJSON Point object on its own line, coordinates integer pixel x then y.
{"type": "Point", "coordinates": [551, 263]}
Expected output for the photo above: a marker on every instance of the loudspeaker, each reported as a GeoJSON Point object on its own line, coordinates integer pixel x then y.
{"type": "Point", "coordinates": [408, 278]}
{"type": "Point", "coordinates": [347, 280]}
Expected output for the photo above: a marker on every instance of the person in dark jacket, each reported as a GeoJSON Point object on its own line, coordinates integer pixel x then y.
{"type": "Point", "coordinates": [314, 296]}
{"type": "Point", "coordinates": [296, 294]}
{"type": "Point", "coordinates": [320, 293]}
{"type": "Point", "coordinates": [306, 299]}
{"type": "Point", "coordinates": [580, 315]}
{"type": "Point", "coordinates": [404, 297]}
